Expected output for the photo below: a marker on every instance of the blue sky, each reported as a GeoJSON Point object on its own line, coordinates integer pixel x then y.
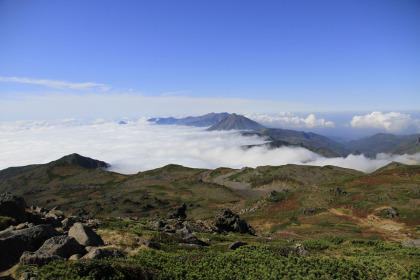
{"type": "Point", "coordinates": [192, 57]}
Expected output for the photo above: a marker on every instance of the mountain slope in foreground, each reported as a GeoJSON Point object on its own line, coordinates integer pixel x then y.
{"type": "Point", "coordinates": [353, 225]}
{"type": "Point", "coordinates": [268, 196]}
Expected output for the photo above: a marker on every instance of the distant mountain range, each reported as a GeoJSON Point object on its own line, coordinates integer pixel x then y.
{"type": "Point", "coordinates": [200, 121]}
{"type": "Point", "coordinates": [369, 146]}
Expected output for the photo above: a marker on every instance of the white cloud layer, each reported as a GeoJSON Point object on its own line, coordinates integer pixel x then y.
{"type": "Point", "coordinates": [287, 119]}
{"type": "Point", "coordinates": [139, 145]}
{"type": "Point", "coordinates": [393, 122]}
{"type": "Point", "coordinates": [55, 84]}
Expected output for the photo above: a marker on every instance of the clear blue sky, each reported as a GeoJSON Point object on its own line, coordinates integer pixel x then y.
{"type": "Point", "coordinates": [327, 55]}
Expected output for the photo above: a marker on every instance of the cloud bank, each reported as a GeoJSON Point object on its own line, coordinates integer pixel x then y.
{"type": "Point", "coordinates": [288, 119]}
{"type": "Point", "coordinates": [112, 105]}
{"type": "Point", "coordinates": [393, 122]}
{"type": "Point", "coordinates": [139, 145]}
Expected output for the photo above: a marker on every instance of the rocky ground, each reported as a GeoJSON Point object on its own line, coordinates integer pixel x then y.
{"type": "Point", "coordinates": [38, 235]}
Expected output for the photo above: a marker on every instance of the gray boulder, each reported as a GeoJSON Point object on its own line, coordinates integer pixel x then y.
{"type": "Point", "coordinates": [63, 246]}
{"type": "Point", "coordinates": [13, 206]}
{"type": "Point", "coordinates": [85, 235]}
{"type": "Point", "coordinates": [14, 243]}
{"type": "Point", "coordinates": [97, 254]}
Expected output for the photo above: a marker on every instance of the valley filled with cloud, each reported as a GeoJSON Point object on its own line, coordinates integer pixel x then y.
{"type": "Point", "coordinates": [140, 145]}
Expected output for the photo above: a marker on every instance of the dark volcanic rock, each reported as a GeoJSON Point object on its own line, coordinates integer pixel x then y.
{"type": "Point", "coordinates": [62, 246]}
{"type": "Point", "coordinates": [14, 243]}
{"type": "Point", "coordinates": [178, 213]}
{"type": "Point", "coordinates": [85, 235]}
{"type": "Point", "coordinates": [97, 254]}
{"type": "Point", "coordinates": [228, 221]}
{"type": "Point", "coordinates": [13, 206]}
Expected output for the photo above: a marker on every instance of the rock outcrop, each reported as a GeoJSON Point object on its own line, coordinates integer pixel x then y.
{"type": "Point", "coordinates": [230, 222]}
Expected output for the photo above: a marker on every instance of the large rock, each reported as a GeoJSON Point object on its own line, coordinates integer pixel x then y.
{"type": "Point", "coordinates": [85, 235]}
{"type": "Point", "coordinates": [97, 254]}
{"type": "Point", "coordinates": [14, 243]}
{"type": "Point", "coordinates": [228, 221]}
{"type": "Point", "coordinates": [63, 246]}
{"type": "Point", "coordinates": [13, 206]}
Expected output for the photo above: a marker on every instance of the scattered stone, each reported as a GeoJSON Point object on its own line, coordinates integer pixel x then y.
{"type": "Point", "coordinates": [338, 191]}
{"type": "Point", "coordinates": [178, 213]}
{"type": "Point", "coordinates": [147, 207]}
{"type": "Point", "coordinates": [311, 210]}
{"type": "Point", "coordinates": [159, 224]}
{"type": "Point", "coordinates": [85, 235]}
{"type": "Point", "coordinates": [13, 206]}
{"type": "Point", "coordinates": [412, 243]}
{"type": "Point", "coordinates": [97, 254]}
{"type": "Point", "coordinates": [298, 250]}
{"type": "Point", "coordinates": [149, 244]}
{"type": "Point", "coordinates": [68, 222]}
{"type": "Point", "coordinates": [237, 244]}
{"type": "Point", "coordinates": [34, 258]}
{"type": "Point", "coordinates": [75, 257]}
{"type": "Point", "coordinates": [27, 276]}
{"type": "Point", "coordinates": [392, 212]}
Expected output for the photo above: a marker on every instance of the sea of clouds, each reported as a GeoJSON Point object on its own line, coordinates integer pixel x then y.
{"type": "Point", "coordinates": [140, 145]}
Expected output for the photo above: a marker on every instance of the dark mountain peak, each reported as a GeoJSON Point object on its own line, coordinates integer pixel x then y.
{"type": "Point", "coordinates": [84, 162]}
{"type": "Point", "coordinates": [239, 122]}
